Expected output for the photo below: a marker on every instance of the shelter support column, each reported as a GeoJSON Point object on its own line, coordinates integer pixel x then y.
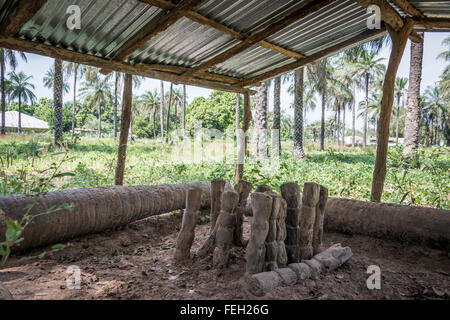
{"type": "Point", "coordinates": [399, 39]}
{"type": "Point", "coordinates": [242, 139]}
{"type": "Point", "coordinates": [124, 129]}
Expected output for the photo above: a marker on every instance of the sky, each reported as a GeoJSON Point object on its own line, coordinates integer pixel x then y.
{"type": "Point", "coordinates": [37, 66]}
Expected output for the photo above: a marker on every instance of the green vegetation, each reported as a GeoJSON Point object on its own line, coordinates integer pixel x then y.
{"type": "Point", "coordinates": [346, 172]}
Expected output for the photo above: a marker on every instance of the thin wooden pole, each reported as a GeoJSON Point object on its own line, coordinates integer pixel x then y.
{"type": "Point", "coordinates": [245, 125]}
{"type": "Point", "coordinates": [399, 40]}
{"type": "Point", "coordinates": [124, 128]}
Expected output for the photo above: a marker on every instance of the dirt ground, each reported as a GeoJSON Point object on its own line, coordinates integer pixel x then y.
{"type": "Point", "coordinates": [136, 263]}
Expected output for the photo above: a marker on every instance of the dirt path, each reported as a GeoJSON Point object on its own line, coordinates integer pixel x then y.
{"type": "Point", "coordinates": [136, 263]}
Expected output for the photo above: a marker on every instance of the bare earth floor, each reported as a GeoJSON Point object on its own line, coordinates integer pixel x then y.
{"type": "Point", "coordinates": [136, 263]}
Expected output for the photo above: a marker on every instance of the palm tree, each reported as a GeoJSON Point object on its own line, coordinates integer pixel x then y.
{"type": "Point", "coordinates": [260, 122]}
{"type": "Point", "coordinates": [298, 114]}
{"type": "Point", "coordinates": [78, 71]}
{"type": "Point", "coordinates": [21, 89]}
{"type": "Point", "coordinates": [149, 103]}
{"type": "Point", "coordinates": [177, 98]}
{"type": "Point", "coordinates": [368, 67]}
{"type": "Point", "coordinates": [412, 114]}
{"type": "Point", "coordinates": [49, 79]}
{"type": "Point", "coordinates": [434, 109]}
{"type": "Point", "coordinates": [399, 92]}
{"type": "Point", "coordinates": [276, 137]}
{"type": "Point", "coordinates": [161, 110]}
{"type": "Point", "coordinates": [7, 57]}
{"type": "Point", "coordinates": [58, 86]}
{"type": "Point", "coordinates": [97, 93]}
{"type": "Point", "coordinates": [169, 104]}
{"type": "Point", "coordinates": [184, 107]}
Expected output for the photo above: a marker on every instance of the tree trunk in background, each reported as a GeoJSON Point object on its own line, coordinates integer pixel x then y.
{"type": "Point", "coordinates": [2, 74]}
{"type": "Point", "coordinates": [116, 89]}
{"type": "Point", "coordinates": [154, 122]}
{"type": "Point", "coordinates": [399, 40]}
{"type": "Point", "coordinates": [397, 120]}
{"type": "Point", "coordinates": [338, 133]}
{"type": "Point", "coordinates": [74, 106]}
{"type": "Point", "coordinates": [323, 70]}
{"type": "Point", "coordinates": [412, 115]}
{"type": "Point", "coordinates": [276, 132]}
{"type": "Point", "coordinates": [19, 126]}
{"type": "Point", "coordinates": [168, 112]}
{"type": "Point", "coordinates": [184, 108]}
{"type": "Point", "coordinates": [343, 126]}
{"type": "Point", "coordinates": [261, 146]}
{"type": "Point", "coordinates": [161, 110]}
{"type": "Point", "coordinates": [298, 151]}
{"type": "Point", "coordinates": [243, 140]}
{"type": "Point", "coordinates": [354, 117]}
{"type": "Point", "coordinates": [124, 128]}
{"type": "Point", "coordinates": [366, 107]}
{"type": "Point", "coordinates": [57, 100]}
{"type": "Point", "coordinates": [99, 111]}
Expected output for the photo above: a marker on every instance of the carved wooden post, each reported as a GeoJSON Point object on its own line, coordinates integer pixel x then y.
{"type": "Point", "coordinates": [318, 224]}
{"type": "Point", "coordinates": [186, 234]}
{"type": "Point", "coordinates": [310, 199]}
{"type": "Point", "coordinates": [256, 250]}
{"type": "Point", "coordinates": [263, 188]}
{"type": "Point", "coordinates": [282, 259]}
{"type": "Point", "coordinates": [243, 189]}
{"type": "Point", "coordinates": [225, 229]}
{"type": "Point", "coordinates": [217, 188]}
{"type": "Point", "coordinates": [291, 194]}
{"type": "Point", "coordinates": [271, 240]}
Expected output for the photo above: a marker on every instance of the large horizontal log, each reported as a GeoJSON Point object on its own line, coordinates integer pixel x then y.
{"type": "Point", "coordinates": [426, 226]}
{"type": "Point", "coordinates": [94, 209]}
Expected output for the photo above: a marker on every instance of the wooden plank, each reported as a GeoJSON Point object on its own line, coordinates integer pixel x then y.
{"type": "Point", "coordinates": [431, 23]}
{"type": "Point", "coordinates": [298, 14]}
{"type": "Point", "coordinates": [408, 8]}
{"type": "Point", "coordinates": [138, 69]}
{"type": "Point", "coordinates": [152, 30]}
{"type": "Point", "coordinates": [21, 14]}
{"type": "Point", "coordinates": [166, 5]}
{"type": "Point", "coordinates": [363, 37]}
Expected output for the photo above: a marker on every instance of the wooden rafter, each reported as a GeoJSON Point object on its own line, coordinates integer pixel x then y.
{"type": "Point", "coordinates": [138, 69]}
{"type": "Point", "coordinates": [23, 11]}
{"type": "Point", "coordinates": [408, 8]}
{"type": "Point", "coordinates": [363, 37]}
{"type": "Point", "coordinates": [197, 17]}
{"type": "Point", "coordinates": [431, 23]}
{"type": "Point", "coordinates": [152, 30]}
{"type": "Point", "coordinates": [298, 14]}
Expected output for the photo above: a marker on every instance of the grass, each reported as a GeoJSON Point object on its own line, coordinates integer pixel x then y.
{"type": "Point", "coordinates": [346, 172]}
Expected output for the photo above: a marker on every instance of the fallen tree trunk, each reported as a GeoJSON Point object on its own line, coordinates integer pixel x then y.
{"type": "Point", "coordinates": [94, 209]}
{"type": "Point", "coordinates": [425, 226]}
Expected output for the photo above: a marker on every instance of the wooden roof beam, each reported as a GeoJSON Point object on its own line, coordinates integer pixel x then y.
{"type": "Point", "coordinates": [120, 66]}
{"type": "Point", "coordinates": [296, 15]}
{"type": "Point", "coordinates": [197, 17]}
{"type": "Point", "coordinates": [408, 8]}
{"type": "Point", "coordinates": [430, 23]}
{"type": "Point", "coordinates": [21, 14]}
{"type": "Point", "coordinates": [363, 37]}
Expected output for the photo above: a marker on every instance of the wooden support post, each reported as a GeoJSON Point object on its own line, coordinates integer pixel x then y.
{"type": "Point", "coordinates": [399, 40]}
{"type": "Point", "coordinates": [187, 231]}
{"type": "Point", "coordinates": [271, 239]}
{"type": "Point", "coordinates": [311, 192]}
{"type": "Point", "coordinates": [291, 194]}
{"type": "Point", "coordinates": [318, 224]}
{"type": "Point", "coordinates": [225, 229]}
{"type": "Point", "coordinates": [243, 189]}
{"type": "Point", "coordinates": [124, 128]}
{"type": "Point", "coordinates": [217, 188]}
{"type": "Point", "coordinates": [255, 252]}
{"type": "Point", "coordinates": [243, 139]}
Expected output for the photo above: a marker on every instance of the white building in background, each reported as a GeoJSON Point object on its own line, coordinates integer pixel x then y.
{"type": "Point", "coordinates": [29, 123]}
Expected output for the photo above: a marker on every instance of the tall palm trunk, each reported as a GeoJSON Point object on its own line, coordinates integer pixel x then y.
{"type": "Point", "coordinates": [354, 117]}
{"type": "Point", "coordinates": [161, 110]}
{"type": "Point", "coordinates": [99, 110]}
{"type": "Point", "coordinates": [261, 146]}
{"type": "Point", "coordinates": [74, 106]}
{"type": "Point", "coordinates": [19, 126]}
{"type": "Point", "coordinates": [323, 80]}
{"type": "Point", "coordinates": [116, 92]}
{"type": "Point", "coordinates": [2, 73]}
{"type": "Point", "coordinates": [298, 114]}
{"type": "Point", "coordinates": [168, 112]}
{"type": "Point", "coordinates": [276, 134]}
{"type": "Point", "coordinates": [365, 111]}
{"type": "Point", "coordinates": [57, 97]}
{"type": "Point", "coordinates": [154, 122]}
{"type": "Point", "coordinates": [338, 131]}
{"type": "Point", "coordinates": [412, 115]}
{"type": "Point", "coordinates": [184, 108]}
{"type": "Point", "coordinates": [397, 120]}
{"type": "Point", "coordinates": [343, 126]}
{"type": "Point", "coordinates": [238, 113]}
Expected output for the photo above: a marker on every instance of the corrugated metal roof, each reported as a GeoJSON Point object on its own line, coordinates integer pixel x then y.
{"type": "Point", "coordinates": [107, 25]}
{"type": "Point", "coordinates": [27, 122]}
